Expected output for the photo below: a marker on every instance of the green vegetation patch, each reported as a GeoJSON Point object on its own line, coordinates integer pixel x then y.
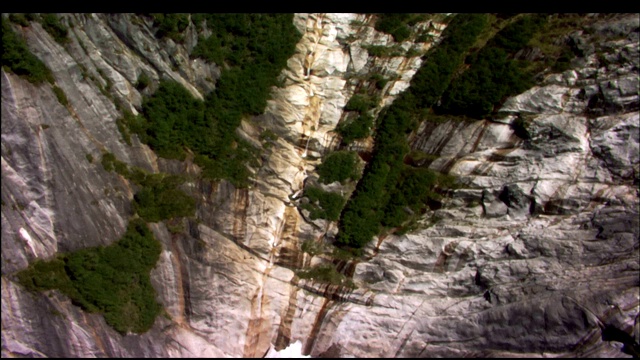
{"type": "Point", "coordinates": [60, 95]}
{"type": "Point", "coordinates": [159, 197]}
{"type": "Point", "coordinates": [353, 128]}
{"type": "Point", "coordinates": [18, 59]}
{"type": "Point", "coordinates": [323, 204]}
{"type": "Point", "coordinates": [252, 48]}
{"type": "Point", "coordinates": [19, 19]}
{"type": "Point", "coordinates": [414, 190]}
{"type": "Point", "coordinates": [398, 25]}
{"type": "Point", "coordinates": [325, 273]}
{"type": "Point", "coordinates": [172, 120]}
{"type": "Point", "coordinates": [358, 127]}
{"type": "Point", "coordinates": [387, 185]}
{"type": "Point", "coordinates": [243, 39]}
{"type": "Point", "coordinates": [384, 50]}
{"type": "Point", "coordinates": [51, 23]}
{"type": "Point", "coordinates": [493, 74]}
{"type": "Point", "coordinates": [360, 103]}
{"type": "Point", "coordinates": [143, 81]}
{"type": "Point", "coordinates": [170, 25]}
{"type": "Point", "coordinates": [112, 280]}
{"type": "Point", "coordinates": [339, 166]}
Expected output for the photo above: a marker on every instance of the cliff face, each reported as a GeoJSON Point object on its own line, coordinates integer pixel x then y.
{"type": "Point", "coordinates": [536, 254]}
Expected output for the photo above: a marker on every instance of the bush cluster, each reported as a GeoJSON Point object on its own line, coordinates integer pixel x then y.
{"type": "Point", "coordinates": [159, 197]}
{"type": "Point", "coordinates": [54, 27]}
{"type": "Point", "coordinates": [325, 273]}
{"type": "Point", "coordinates": [170, 25]}
{"type": "Point", "coordinates": [18, 59]}
{"type": "Point", "coordinates": [339, 166]}
{"type": "Point", "coordinates": [61, 96]}
{"type": "Point", "coordinates": [388, 187]}
{"type": "Point", "coordinates": [358, 127]}
{"type": "Point", "coordinates": [19, 19]}
{"type": "Point", "coordinates": [493, 75]}
{"type": "Point", "coordinates": [323, 204]}
{"type": "Point", "coordinates": [252, 48]}
{"type": "Point", "coordinates": [398, 25]}
{"type": "Point", "coordinates": [112, 280]}
{"type": "Point", "coordinates": [143, 81]}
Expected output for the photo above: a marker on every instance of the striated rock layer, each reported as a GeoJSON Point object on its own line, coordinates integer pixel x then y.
{"type": "Point", "coordinates": [535, 255]}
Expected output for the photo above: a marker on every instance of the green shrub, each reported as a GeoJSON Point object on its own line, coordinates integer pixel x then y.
{"type": "Point", "coordinates": [253, 49]}
{"type": "Point", "coordinates": [413, 190]}
{"type": "Point", "coordinates": [339, 166]}
{"type": "Point", "coordinates": [360, 103]}
{"type": "Point", "coordinates": [383, 50]}
{"type": "Point", "coordinates": [112, 280]}
{"type": "Point", "coordinates": [311, 247]}
{"type": "Point", "coordinates": [19, 19]}
{"type": "Point", "coordinates": [352, 129]}
{"type": "Point", "coordinates": [387, 187]}
{"type": "Point", "coordinates": [46, 275]}
{"type": "Point", "coordinates": [323, 204]}
{"type": "Point", "coordinates": [89, 158]}
{"type": "Point", "coordinates": [107, 161]}
{"type": "Point", "coordinates": [563, 62]}
{"type": "Point", "coordinates": [160, 200]}
{"type": "Point", "coordinates": [493, 74]}
{"type": "Point", "coordinates": [325, 273]}
{"type": "Point", "coordinates": [54, 27]}
{"type": "Point", "coordinates": [143, 81]}
{"type": "Point", "coordinates": [124, 131]}
{"type": "Point", "coordinates": [159, 197]}
{"type": "Point", "coordinates": [62, 97]}
{"type": "Point", "coordinates": [379, 80]}
{"type": "Point", "coordinates": [170, 25]}
{"type": "Point", "coordinates": [18, 59]}
{"type": "Point", "coordinates": [397, 25]}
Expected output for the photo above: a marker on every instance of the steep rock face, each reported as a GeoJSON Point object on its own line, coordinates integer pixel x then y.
{"type": "Point", "coordinates": [57, 197]}
{"type": "Point", "coordinates": [536, 255]}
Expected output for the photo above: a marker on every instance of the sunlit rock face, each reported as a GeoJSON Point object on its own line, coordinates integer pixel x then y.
{"type": "Point", "coordinates": [535, 255]}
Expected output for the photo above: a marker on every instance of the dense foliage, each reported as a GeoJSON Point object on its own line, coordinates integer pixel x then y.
{"type": "Point", "coordinates": [493, 74]}
{"type": "Point", "coordinates": [159, 197]}
{"type": "Point", "coordinates": [173, 120]}
{"type": "Point", "coordinates": [358, 126]}
{"type": "Point", "coordinates": [355, 127]}
{"type": "Point", "coordinates": [325, 273]}
{"type": "Point", "coordinates": [252, 48]}
{"type": "Point", "coordinates": [54, 27]}
{"type": "Point", "coordinates": [18, 18]}
{"type": "Point", "coordinates": [60, 95]}
{"type": "Point", "coordinates": [388, 185]}
{"type": "Point", "coordinates": [17, 57]}
{"type": "Point", "coordinates": [339, 166]}
{"type": "Point", "coordinates": [398, 24]}
{"type": "Point", "coordinates": [441, 62]}
{"type": "Point", "coordinates": [170, 25]}
{"type": "Point", "coordinates": [143, 81]}
{"type": "Point", "coordinates": [112, 280]}
{"type": "Point", "coordinates": [323, 204]}
{"type": "Point", "coordinates": [245, 39]}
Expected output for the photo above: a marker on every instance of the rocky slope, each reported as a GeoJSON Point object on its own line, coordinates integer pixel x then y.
{"type": "Point", "coordinates": [536, 254]}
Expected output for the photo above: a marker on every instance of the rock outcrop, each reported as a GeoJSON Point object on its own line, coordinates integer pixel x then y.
{"type": "Point", "coordinates": [535, 255]}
